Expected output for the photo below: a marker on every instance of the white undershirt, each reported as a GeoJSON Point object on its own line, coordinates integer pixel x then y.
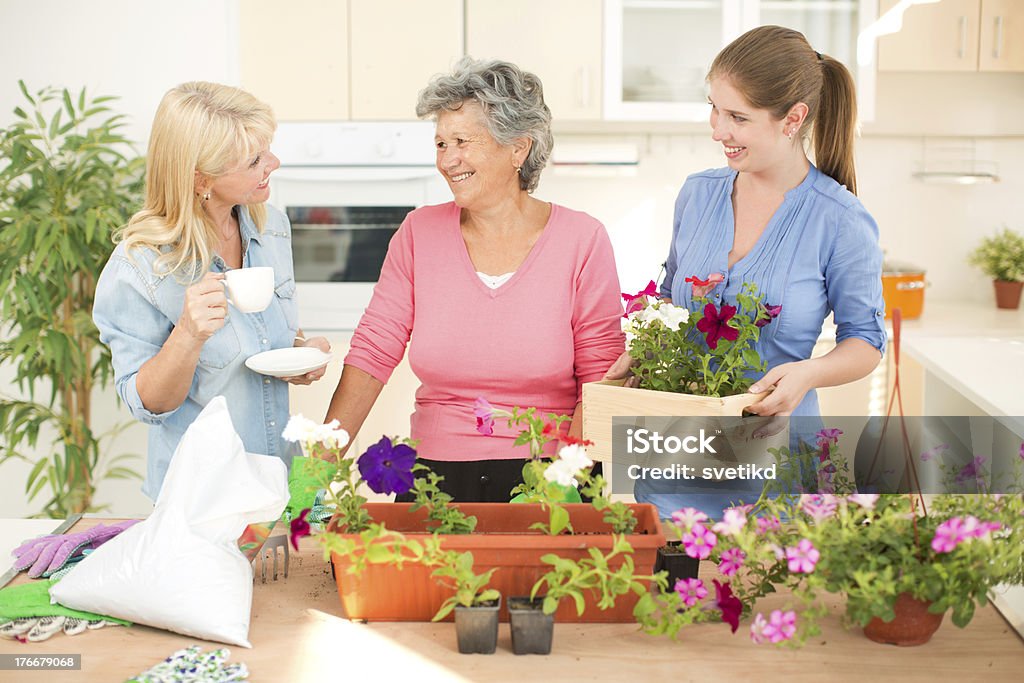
{"type": "Point", "coordinates": [495, 281]}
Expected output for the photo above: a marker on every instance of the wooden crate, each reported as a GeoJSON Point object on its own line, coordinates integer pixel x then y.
{"type": "Point", "coordinates": [607, 399]}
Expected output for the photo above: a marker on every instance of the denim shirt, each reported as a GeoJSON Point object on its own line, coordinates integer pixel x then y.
{"type": "Point", "coordinates": [135, 311]}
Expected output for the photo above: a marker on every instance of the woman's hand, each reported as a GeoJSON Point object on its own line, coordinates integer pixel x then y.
{"type": "Point", "coordinates": [792, 381]}
{"type": "Point", "coordinates": [205, 309]}
{"type": "Point", "coordinates": [310, 377]}
{"type": "Point", "coordinates": [620, 370]}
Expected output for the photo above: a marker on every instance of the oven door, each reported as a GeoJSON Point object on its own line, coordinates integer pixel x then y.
{"type": "Point", "coordinates": [342, 221]}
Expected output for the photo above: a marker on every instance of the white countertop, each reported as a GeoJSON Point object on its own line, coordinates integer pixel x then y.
{"type": "Point", "coordinates": [977, 350]}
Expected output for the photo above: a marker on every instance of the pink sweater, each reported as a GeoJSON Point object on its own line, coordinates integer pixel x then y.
{"type": "Point", "coordinates": [531, 342]}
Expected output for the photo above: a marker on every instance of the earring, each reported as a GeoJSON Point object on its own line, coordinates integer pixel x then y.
{"type": "Point", "coordinates": [791, 133]}
{"type": "Point", "coordinates": [206, 197]}
{"type": "Point", "coordinates": [519, 170]}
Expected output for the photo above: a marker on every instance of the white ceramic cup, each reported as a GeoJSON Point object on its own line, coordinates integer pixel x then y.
{"type": "Point", "coordinates": [250, 289]}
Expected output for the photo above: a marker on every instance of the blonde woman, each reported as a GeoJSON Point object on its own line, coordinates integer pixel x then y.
{"type": "Point", "coordinates": [160, 303]}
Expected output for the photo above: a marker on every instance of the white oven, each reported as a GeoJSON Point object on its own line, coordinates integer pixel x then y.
{"type": "Point", "coordinates": [346, 187]}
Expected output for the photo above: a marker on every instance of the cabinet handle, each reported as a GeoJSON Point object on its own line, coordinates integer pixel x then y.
{"type": "Point", "coordinates": [962, 50]}
{"type": "Point", "coordinates": [997, 50]}
{"type": "Point", "coordinates": [912, 285]}
{"type": "Point", "coordinates": [583, 74]}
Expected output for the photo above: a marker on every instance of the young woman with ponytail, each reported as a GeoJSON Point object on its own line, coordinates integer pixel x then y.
{"type": "Point", "coordinates": [772, 217]}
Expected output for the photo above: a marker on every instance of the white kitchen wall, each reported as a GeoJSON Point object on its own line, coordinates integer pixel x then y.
{"type": "Point", "coordinates": [137, 49]}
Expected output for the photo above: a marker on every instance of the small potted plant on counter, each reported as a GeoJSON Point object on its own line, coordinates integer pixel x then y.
{"type": "Point", "coordinates": [1001, 257]}
{"type": "Point", "coordinates": [476, 606]}
{"type": "Point", "coordinates": [606, 576]}
{"type": "Point", "coordinates": [899, 566]}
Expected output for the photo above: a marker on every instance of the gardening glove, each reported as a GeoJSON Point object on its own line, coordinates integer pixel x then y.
{"type": "Point", "coordinates": [305, 478]}
{"type": "Point", "coordinates": [45, 555]}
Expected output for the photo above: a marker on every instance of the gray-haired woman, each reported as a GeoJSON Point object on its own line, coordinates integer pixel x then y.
{"type": "Point", "coordinates": [503, 296]}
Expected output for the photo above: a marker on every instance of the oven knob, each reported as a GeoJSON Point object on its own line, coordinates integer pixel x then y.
{"type": "Point", "coordinates": [386, 148]}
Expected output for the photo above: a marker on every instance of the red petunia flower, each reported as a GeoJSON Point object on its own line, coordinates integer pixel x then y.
{"type": "Point", "coordinates": [715, 324]}
{"type": "Point", "coordinates": [702, 287]}
{"type": "Point", "coordinates": [729, 604]}
{"type": "Point", "coordinates": [299, 528]}
{"type": "Point", "coordinates": [636, 302]}
{"type": "Point", "coordinates": [773, 313]}
{"type": "Point", "coordinates": [574, 441]}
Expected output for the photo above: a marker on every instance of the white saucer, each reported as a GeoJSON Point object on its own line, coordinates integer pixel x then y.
{"type": "Point", "coordinates": [288, 362]}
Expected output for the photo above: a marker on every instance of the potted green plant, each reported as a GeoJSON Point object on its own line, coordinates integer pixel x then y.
{"type": "Point", "coordinates": [369, 542]}
{"type": "Point", "coordinates": [68, 178]}
{"type": "Point", "coordinates": [476, 606]}
{"type": "Point", "coordinates": [605, 576]}
{"type": "Point", "coordinates": [894, 562]}
{"type": "Point", "coordinates": [1001, 257]}
{"type": "Point", "coordinates": [685, 363]}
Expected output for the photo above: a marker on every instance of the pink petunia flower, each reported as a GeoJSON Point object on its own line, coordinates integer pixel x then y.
{"type": "Point", "coordinates": [948, 535]}
{"type": "Point", "coordinates": [829, 435]}
{"type": "Point", "coordinates": [637, 302]}
{"type": "Point", "coordinates": [781, 626]}
{"type": "Point", "coordinates": [698, 541]}
{"type": "Point", "coordinates": [715, 325]}
{"type": "Point", "coordinates": [865, 500]}
{"type": "Point", "coordinates": [972, 470]}
{"type": "Point", "coordinates": [819, 506]}
{"type": "Point", "coordinates": [757, 629]}
{"type": "Point", "coordinates": [733, 521]}
{"type": "Point", "coordinates": [484, 413]}
{"type": "Point", "coordinates": [803, 557]}
{"type": "Point", "coordinates": [691, 591]}
{"type": "Point", "coordinates": [731, 561]}
{"type": "Point", "coordinates": [687, 517]}
{"type": "Point", "coordinates": [766, 524]}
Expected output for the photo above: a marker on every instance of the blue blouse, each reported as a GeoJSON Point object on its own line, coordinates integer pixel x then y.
{"type": "Point", "coordinates": [135, 311]}
{"type": "Point", "coordinates": [818, 254]}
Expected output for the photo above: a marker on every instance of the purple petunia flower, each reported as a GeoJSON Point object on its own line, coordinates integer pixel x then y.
{"type": "Point", "coordinates": [698, 541]}
{"type": "Point", "coordinates": [932, 452]}
{"type": "Point", "coordinates": [387, 468]}
{"type": "Point", "coordinates": [728, 603]}
{"type": "Point", "coordinates": [972, 470]}
{"type": "Point", "coordinates": [715, 325]}
{"type": "Point", "coordinates": [691, 591]}
{"type": "Point", "coordinates": [773, 313]}
{"type": "Point", "coordinates": [803, 557]}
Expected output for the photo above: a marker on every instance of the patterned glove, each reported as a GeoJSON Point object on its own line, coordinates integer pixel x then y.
{"type": "Point", "coordinates": [44, 555]}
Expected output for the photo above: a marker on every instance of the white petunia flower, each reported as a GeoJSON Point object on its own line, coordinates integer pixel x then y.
{"type": "Point", "coordinates": [561, 472]}
{"type": "Point", "coordinates": [673, 316]}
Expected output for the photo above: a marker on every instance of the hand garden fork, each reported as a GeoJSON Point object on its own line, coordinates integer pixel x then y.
{"type": "Point", "coordinates": [269, 553]}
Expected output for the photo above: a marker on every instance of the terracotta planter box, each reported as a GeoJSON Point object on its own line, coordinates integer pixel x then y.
{"type": "Point", "coordinates": [503, 540]}
{"type": "Point", "coordinates": [605, 400]}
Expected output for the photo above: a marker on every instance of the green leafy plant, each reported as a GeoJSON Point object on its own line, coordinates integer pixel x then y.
{"type": "Point", "coordinates": [594, 573]}
{"type": "Point", "coordinates": [456, 572]}
{"type": "Point", "coordinates": [869, 548]}
{"type": "Point", "coordinates": [708, 352]}
{"type": "Point", "coordinates": [1001, 256]}
{"type": "Point", "coordinates": [68, 178]}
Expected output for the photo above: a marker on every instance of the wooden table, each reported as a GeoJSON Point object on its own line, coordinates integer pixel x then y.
{"type": "Point", "coordinates": [298, 634]}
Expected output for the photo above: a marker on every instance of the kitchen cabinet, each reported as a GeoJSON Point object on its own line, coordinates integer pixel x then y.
{"type": "Point", "coordinates": [558, 41]}
{"type": "Point", "coordinates": [956, 35]}
{"type": "Point", "coordinates": [390, 414]}
{"type": "Point", "coordinates": [296, 59]}
{"type": "Point", "coordinates": [396, 46]}
{"type": "Point", "coordinates": [657, 52]}
{"type": "Point", "coordinates": [864, 397]}
{"type": "Point", "coordinates": [331, 60]}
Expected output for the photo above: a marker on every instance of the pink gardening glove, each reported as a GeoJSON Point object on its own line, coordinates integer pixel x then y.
{"type": "Point", "coordinates": [44, 555]}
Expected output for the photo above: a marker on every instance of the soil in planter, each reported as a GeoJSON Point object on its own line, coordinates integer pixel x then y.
{"type": "Point", "coordinates": [476, 627]}
{"type": "Point", "coordinates": [532, 630]}
{"type": "Point", "coordinates": [676, 562]}
{"type": "Point", "coordinates": [913, 625]}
